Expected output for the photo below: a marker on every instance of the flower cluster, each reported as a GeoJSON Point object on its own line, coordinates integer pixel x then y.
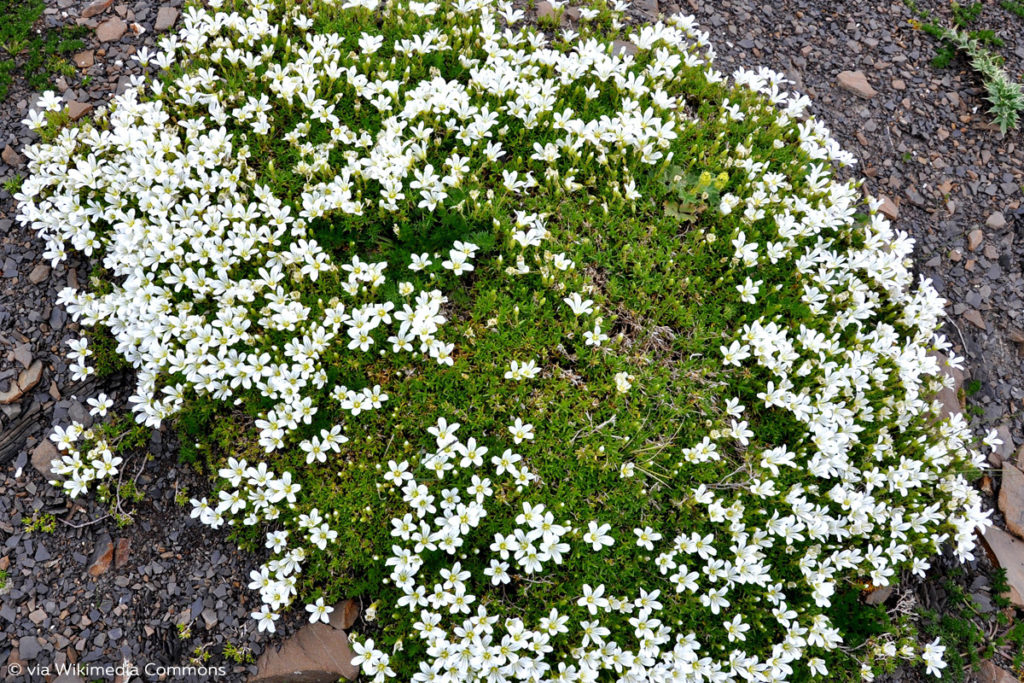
{"type": "Point", "coordinates": [354, 220]}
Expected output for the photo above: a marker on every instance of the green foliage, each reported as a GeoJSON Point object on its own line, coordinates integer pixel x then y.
{"type": "Point", "coordinates": [105, 358]}
{"type": "Point", "coordinates": [238, 655]}
{"type": "Point", "coordinates": [1005, 95]}
{"type": "Point", "coordinates": [18, 18]}
{"type": "Point", "coordinates": [13, 184]}
{"type": "Point", "coordinates": [858, 620]}
{"type": "Point", "coordinates": [181, 496]}
{"type": "Point", "coordinates": [41, 56]}
{"type": "Point", "coordinates": [967, 641]}
{"type": "Point", "coordinates": [42, 522]}
{"type": "Point", "coordinates": [964, 15]}
{"type": "Point", "coordinates": [4, 578]}
{"type": "Point", "coordinates": [1013, 6]}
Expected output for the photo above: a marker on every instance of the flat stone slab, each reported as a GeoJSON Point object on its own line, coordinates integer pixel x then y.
{"type": "Point", "coordinates": [1011, 499]}
{"type": "Point", "coordinates": [317, 653]}
{"type": "Point", "coordinates": [1008, 552]}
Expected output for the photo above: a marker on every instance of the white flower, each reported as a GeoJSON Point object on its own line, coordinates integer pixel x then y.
{"type": "Point", "coordinates": [578, 305]}
{"type": "Point", "coordinates": [933, 658]}
{"type": "Point", "coordinates": [521, 431]}
{"type": "Point", "coordinates": [593, 599]}
{"type": "Point", "coordinates": [265, 619]}
{"type": "Point", "coordinates": [100, 405]}
{"type": "Point", "coordinates": [597, 536]}
{"type": "Point", "coordinates": [319, 611]}
{"type": "Point", "coordinates": [527, 370]}
{"type": "Point", "coordinates": [646, 537]}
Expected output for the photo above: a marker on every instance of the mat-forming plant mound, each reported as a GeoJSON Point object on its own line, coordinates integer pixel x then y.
{"type": "Point", "coordinates": [569, 353]}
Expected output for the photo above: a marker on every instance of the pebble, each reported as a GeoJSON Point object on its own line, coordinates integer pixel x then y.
{"type": "Point", "coordinates": [23, 354]}
{"type": "Point", "coordinates": [889, 208]}
{"type": "Point", "coordinates": [974, 317]}
{"type": "Point", "coordinates": [996, 221]}
{"type": "Point", "coordinates": [98, 7]}
{"type": "Point", "coordinates": [39, 273]}
{"type": "Point", "coordinates": [857, 83]}
{"type": "Point", "coordinates": [102, 556]}
{"type": "Point", "coordinates": [84, 59]}
{"type": "Point", "coordinates": [166, 16]}
{"type": "Point", "coordinates": [974, 239]}
{"type": "Point", "coordinates": [77, 110]}
{"type": "Point", "coordinates": [110, 30]}
{"type": "Point", "coordinates": [11, 157]}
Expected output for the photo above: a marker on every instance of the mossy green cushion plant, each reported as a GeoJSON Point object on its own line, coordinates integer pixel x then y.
{"type": "Point", "coordinates": [577, 364]}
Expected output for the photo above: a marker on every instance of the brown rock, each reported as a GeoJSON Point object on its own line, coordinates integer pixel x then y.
{"type": "Point", "coordinates": [544, 10]}
{"type": "Point", "coordinates": [955, 256]}
{"type": "Point", "coordinates": [986, 485]}
{"type": "Point", "coordinates": [43, 456]}
{"type": "Point", "coordinates": [102, 556]}
{"type": "Point", "coordinates": [12, 394]}
{"type": "Point", "coordinates": [77, 110]}
{"type": "Point", "coordinates": [27, 380]}
{"type": "Point", "coordinates": [83, 60]}
{"type": "Point", "coordinates": [11, 157]}
{"type": "Point", "coordinates": [1011, 499]}
{"type": "Point", "coordinates": [317, 653]}
{"type": "Point", "coordinates": [98, 7]}
{"type": "Point", "coordinates": [889, 208]}
{"type": "Point", "coordinates": [990, 673]}
{"type": "Point", "coordinates": [166, 16]}
{"type": "Point", "coordinates": [899, 84]}
{"type": "Point", "coordinates": [857, 83]}
{"type": "Point", "coordinates": [974, 239]}
{"type": "Point", "coordinates": [39, 273]}
{"type": "Point", "coordinates": [1007, 552]}
{"type": "Point", "coordinates": [345, 614]}
{"type": "Point", "coordinates": [110, 30]}
{"type": "Point", "coordinates": [974, 317]}
{"type": "Point", "coordinates": [30, 376]}
{"type": "Point", "coordinates": [121, 552]}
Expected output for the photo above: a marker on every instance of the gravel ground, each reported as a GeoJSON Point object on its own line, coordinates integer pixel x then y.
{"type": "Point", "coordinates": [923, 140]}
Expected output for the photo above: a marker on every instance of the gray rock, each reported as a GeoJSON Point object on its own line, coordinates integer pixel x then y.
{"type": "Point", "coordinates": [29, 648]}
{"type": "Point", "coordinates": [165, 18]}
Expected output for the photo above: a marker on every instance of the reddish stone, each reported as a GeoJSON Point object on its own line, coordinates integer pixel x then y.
{"type": "Point", "coordinates": [98, 7]}
{"type": "Point", "coordinates": [121, 552]}
{"type": "Point", "coordinates": [317, 653]}
{"type": "Point", "coordinates": [102, 557]}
